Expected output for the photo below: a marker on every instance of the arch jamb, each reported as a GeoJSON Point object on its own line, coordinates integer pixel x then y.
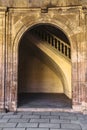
{"type": "Point", "coordinates": [15, 45]}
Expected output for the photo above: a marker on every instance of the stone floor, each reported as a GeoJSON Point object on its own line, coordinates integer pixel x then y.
{"type": "Point", "coordinates": [44, 100]}
{"type": "Point", "coordinates": [43, 121]}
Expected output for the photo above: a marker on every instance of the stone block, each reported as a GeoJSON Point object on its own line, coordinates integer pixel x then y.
{"type": "Point", "coordinates": [8, 125]}
{"type": "Point", "coordinates": [4, 120]}
{"type": "Point", "coordinates": [25, 125]}
{"type": "Point", "coordinates": [61, 129]}
{"type": "Point", "coordinates": [59, 121]}
{"type": "Point", "coordinates": [71, 126]}
{"type": "Point", "coordinates": [31, 116]}
{"type": "Point", "coordinates": [40, 120]}
{"type": "Point", "coordinates": [68, 117]}
{"type": "Point", "coordinates": [49, 125]}
{"type": "Point", "coordinates": [41, 113]}
{"type": "Point", "coordinates": [14, 129]}
{"type": "Point", "coordinates": [11, 116]}
{"type": "Point", "coordinates": [50, 117]}
{"type": "Point", "coordinates": [37, 129]}
{"type": "Point", "coordinates": [18, 120]}
{"type": "Point", "coordinates": [25, 113]}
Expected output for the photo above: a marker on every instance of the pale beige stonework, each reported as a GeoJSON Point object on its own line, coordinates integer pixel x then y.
{"type": "Point", "coordinates": [15, 21]}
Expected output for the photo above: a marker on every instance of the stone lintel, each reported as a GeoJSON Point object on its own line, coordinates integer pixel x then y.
{"type": "Point", "coordinates": [18, 9]}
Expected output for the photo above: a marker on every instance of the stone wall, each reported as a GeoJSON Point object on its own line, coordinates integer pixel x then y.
{"type": "Point", "coordinates": [39, 3]}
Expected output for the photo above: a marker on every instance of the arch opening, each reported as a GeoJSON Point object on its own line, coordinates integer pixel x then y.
{"type": "Point", "coordinates": [44, 75]}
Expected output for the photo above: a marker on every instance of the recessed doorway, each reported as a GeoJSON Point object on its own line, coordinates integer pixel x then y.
{"type": "Point", "coordinates": [41, 83]}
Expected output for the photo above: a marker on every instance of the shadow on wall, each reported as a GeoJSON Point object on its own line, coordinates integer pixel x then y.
{"type": "Point", "coordinates": [35, 75]}
{"type": "Point", "coordinates": [42, 70]}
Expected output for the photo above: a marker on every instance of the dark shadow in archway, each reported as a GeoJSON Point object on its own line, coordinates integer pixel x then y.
{"type": "Point", "coordinates": [32, 97]}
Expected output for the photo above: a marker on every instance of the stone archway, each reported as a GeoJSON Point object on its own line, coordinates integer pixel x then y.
{"type": "Point", "coordinates": [31, 66]}
{"type": "Point", "coordinates": [14, 56]}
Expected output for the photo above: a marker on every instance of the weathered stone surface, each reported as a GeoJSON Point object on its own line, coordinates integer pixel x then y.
{"type": "Point", "coordinates": [49, 125]}
{"type": "Point", "coordinates": [68, 117]}
{"type": "Point", "coordinates": [40, 120]}
{"type": "Point", "coordinates": [41, 113]}
{"type": "Point", "coordinates": [9, 125]}
{"type": "Point", "coordinates": [71, 126]}
{"type": "Point", "coordinates": [14, 22]}
{"type": "Point", "coordinates": [37, 3]}
{"type": "Point", "coordinates": [50, 117]}
{"type": "Point", "coordinates": [13, 128]}
{"type": "Point", "coordinates": [12, 116]}
{"type": "Point", "coordinates": [59, 121]}
{"type": "Point", "coordinates": [55, 124]}
{"type": "Point", "coordinates": [24, 125]}
{"type": "Point", "coordinates": [18, 120]}
{"type": "Point", "coordinates": [37, 128]}
{"type": "Point", "coordinates": [31, 116]}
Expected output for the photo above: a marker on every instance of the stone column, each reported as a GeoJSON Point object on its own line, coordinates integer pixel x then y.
{"type": "Point", "coordinates": [2, 56]}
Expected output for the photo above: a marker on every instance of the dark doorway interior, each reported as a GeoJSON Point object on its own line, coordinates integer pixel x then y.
{"type": "Point", "coordinates": [38, 84]}
{"type": "Point", "coordinates": [44, 100]}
